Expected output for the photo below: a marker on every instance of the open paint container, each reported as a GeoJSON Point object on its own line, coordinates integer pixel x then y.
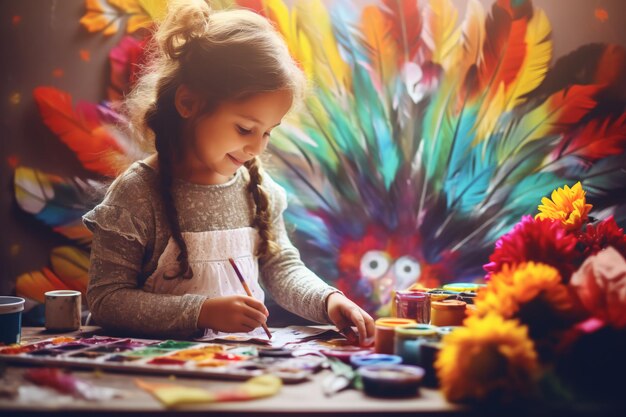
{"type": "Point", "coordinates": [11, 319]}
{"type": "Point", "coordinates": [391, 381]}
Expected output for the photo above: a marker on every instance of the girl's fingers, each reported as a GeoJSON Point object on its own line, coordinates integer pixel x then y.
{"type": "Point", "coordinates": [369, 324]}
{"type": "Point", "coordinates": [255, 315]}
{"type": "Point", "coordinates": [357, 318]}
{"type": "Point", "coordinates": [256, 304]}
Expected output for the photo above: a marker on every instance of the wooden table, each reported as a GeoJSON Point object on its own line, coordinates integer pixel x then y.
{"type": "Point", "coordinates": [303, 399]}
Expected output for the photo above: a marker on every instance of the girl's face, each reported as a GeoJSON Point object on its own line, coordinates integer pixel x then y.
{"type": "Point", "coordinates": [231, 135]}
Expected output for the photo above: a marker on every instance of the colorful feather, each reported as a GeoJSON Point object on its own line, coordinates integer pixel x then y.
{"type": "Point", "coordinates": [79, 129]}
{"type": "Point", "coordinates": [33, 285]}
{"type": "Point", "coordinates": [56, 201]}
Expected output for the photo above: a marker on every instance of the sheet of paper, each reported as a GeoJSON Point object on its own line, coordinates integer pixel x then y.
{"type": "Point", "coordinates": [281, 337]}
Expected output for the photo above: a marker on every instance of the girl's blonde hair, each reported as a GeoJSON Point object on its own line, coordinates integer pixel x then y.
{"type": "Point", "coordinates": [221, 55]}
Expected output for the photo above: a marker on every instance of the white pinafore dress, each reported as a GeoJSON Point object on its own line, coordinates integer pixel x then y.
{"type": "Point", "coordinates": [213, 275]}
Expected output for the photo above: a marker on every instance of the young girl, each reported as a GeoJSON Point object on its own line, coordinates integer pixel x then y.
{"type": "Point", "coordinates": [218, 84]}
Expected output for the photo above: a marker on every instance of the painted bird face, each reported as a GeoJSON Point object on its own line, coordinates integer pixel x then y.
{"type": "Point", "coordinates": [372, 267]}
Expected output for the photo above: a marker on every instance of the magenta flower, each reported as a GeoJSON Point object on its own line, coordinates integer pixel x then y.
{"type": "Point", "coordinates": [544, 241]}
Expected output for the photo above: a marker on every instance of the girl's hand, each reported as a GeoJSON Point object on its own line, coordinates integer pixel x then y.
{"type": "Point", "coordinates": [344, 314]}
{"type": "Point", "coordinates": [233, 313]}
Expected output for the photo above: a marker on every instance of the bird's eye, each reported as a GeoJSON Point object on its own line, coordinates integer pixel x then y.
{"type": "Point", "coordinates": [407, 271]}
{"type": "Point", "coordinates": [374, 264]}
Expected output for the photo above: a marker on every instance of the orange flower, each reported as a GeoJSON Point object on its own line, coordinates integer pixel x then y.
{"type": "Point", "coordinates": [568, 206]}
{"type": "Point", "coordinates": [489, 358]}
{"type": "Point", "coordinates": [510, 289]}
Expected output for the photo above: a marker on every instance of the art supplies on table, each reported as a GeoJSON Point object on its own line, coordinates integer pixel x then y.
{"type": "Point", "coordinates": [384, 333]}
{"type": "Point", "coordinates": [408, 339]}
{"type": "Point", "coordinates": [11, 309]}
{"type": "Point", "coordinates": [391, 381]}
{"type": "Point", "coordinates": [183, 358]}
{"type": "Point", "coordinates": [447, 312]}
{"type": "Point", "coordinates": [413, 304]}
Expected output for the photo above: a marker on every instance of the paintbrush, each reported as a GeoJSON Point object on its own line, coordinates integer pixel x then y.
{"type": "Point", "coordinates": [245, 287]}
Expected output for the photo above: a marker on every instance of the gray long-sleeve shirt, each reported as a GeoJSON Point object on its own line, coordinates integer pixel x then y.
{"type": "Point", "coordinates": [131, 232]}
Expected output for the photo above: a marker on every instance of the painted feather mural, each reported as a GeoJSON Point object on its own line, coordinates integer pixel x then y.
{"type": "Point", "coordinates": [425, 137]}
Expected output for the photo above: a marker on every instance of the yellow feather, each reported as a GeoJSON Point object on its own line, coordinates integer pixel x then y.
{"type": "Point", "coordinates": [71, 265]}
{"type": "Point", "coordinates": [329, 67]}
{"type": "Point", "coordinates": [536, 61]}
{"type": "Point", "coordinates": [297, 42]}
{"type": "Point", "coordinates": [489, 114]}
{"type": "Point", "coordinates": [473, 30]}
{"type": "Point", "coordinates": [278, 12]}
{"type": "Point", "coordinates": [442, 35]}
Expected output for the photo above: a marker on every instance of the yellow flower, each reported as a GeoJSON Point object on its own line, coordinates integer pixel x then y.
{"type": "Point", "coordinates": [568, 206]}
{"type": "Point", "coordinates": [513, 287]}
{"type": "Point", "coordinates": [490, 358]}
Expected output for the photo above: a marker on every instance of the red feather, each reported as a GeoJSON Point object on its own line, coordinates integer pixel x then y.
{"type": "Point", "coordinates": [79, 130]}
{"type": "Point", "coordinates": [514, 54]}
{"type": "Point", "coordinates": [573, 103]}
{"type": "Point", "coordinates": [497, 29]}
{"type": "Point", "coordinates": [598, 139]}
{"type": "Point", "coordinates": [406, 26]}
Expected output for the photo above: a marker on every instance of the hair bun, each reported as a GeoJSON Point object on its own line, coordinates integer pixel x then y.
{"type": "Point", "coordinates": [186, 20]}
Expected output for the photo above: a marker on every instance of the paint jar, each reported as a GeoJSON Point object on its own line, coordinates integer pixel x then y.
{"type": "Point", "coordinates": [408, 339]}
{"type": "Point", "coordinates": [428, 355]}
{"type": "Point", "coordinates": [11, 319]}
{"type": "Point", "coordinates": [63, 310]}
{"type": "Point", "coordinates": [391, 381]}
{"type": "Point", "coordinates": [384, 333]}
{"type": "Point", "coordinates": [413, 305]}
{"type": "Point", "coordinates": [447, 313]}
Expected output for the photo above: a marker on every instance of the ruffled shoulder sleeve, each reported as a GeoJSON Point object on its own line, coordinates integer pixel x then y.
{"type": "Point", "coordinates": [127, 209]}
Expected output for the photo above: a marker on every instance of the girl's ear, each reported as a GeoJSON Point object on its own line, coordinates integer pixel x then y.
{"type": "Point", "coordinates": [187, 103]}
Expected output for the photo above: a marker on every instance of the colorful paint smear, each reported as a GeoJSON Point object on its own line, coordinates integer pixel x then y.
{"type": "Point", "coordinates": [173, 344]}
{"type": "Point", "coordinates": [148, 352]}
{"type": "Point", "coordinates": [122, 358]}
{"type": "Point", "coordinates": [164, 360]}
{"type": "Point", "coordinates": [88, 354]}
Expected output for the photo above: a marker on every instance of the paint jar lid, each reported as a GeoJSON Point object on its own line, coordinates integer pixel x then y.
{"type": "Point", "coordinates": [418, 330]}
{"type": "Point", "coordinates": [11, 304]}
{"type": "Point", "coordinates": [394, 322]}
{"type": "Point", "coordinates": [462, 287]}
{"type": "Point", "coordinates": [393, 373]}
{"type": "Point", "coordinates": [62, 293]}
{"type": "Point", "coordinates": [368, 359]}
{"type": "Point", "coordinates": [448, 305]}
{"type": "Point", "coordinates": [410, 295]}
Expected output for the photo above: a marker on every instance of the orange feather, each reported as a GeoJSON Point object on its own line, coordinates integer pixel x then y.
{"type": "Point", "coordinates": [87, 138]}
{"type": "Point", "coordinates": [406, 27]}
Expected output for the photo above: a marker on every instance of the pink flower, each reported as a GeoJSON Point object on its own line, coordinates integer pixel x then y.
{"type": "Point", "coordinates": [600, 284]}
{"type": "Point", "coordinates": [540, 241]}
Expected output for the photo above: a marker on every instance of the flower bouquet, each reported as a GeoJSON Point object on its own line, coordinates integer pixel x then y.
{"type": "Point", "coordinates": [551, 322]}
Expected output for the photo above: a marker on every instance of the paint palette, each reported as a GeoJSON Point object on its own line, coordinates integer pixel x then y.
{"type": "Point", "coordinates": [196, 359]}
